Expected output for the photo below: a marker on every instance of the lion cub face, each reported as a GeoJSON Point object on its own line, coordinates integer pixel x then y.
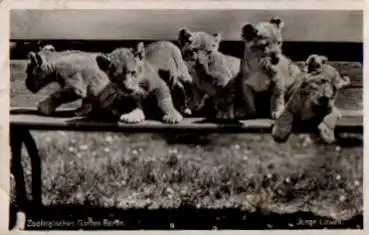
{"type": "Point", "coordinates": [322, 81]}
{"type": "Point", "coordinates": [37, 72]}
{"type": "Point", "coordinates": [264, 38]}
{"type": "Point", "coordinates": [195, 44]}
{"type": "Point", "coordinates": [314, 63]}
{"type": "Point", "coordinates": [125, 67]}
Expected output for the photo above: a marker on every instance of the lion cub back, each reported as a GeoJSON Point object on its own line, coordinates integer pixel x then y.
{"type": "Point", "coordinates": [166, 56]}
{"type": "Point", "coordinates": [67, 63]}
{"type": "Point", "coordinates": [166, 59]}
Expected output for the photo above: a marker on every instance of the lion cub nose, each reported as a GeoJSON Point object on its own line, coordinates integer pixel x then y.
{"type": "Point", "coordinates": [324, 100]}
{"type": "Point", "coordinates": [274, 58]}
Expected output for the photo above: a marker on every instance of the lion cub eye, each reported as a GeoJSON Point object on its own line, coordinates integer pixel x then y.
{"type": "Point", "coordinates": [112, 69]}
{"type": "Point", "coordinates": [322, 81]}
{"type": "Point", "coordinates": [266, 43]}
{"type": "Point", "coordinates": [195, 50]}
{"type": "Point", "coordinates": [38, 69]}
{"type": "Point", "coordinates": [133, 73]}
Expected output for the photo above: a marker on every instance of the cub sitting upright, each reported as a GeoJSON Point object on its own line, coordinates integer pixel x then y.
{"type": "Point", "coordinates": [211, 70]}
{"type": "Point", "coordinates": [311, 103]}
{"type": "Point", "coordinates": [265, 74]}
{"type": "Point", "coordinates": [79, 77]}
{"type": "Point", "coordinates": [128, 68]}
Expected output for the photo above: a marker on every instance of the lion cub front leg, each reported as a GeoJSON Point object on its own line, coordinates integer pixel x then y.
{"type": "Point", "coordinates": [218, 79]}
{"type": "Point", "coordinates": [85, 109]}
{"type": "Point", "coordinates": [224, 105]}
{"type": "Point", "coordinates": [277, 102]}
{"type": "Point", "coordinates": [277, 99]}
{"type": "Point", "coordinates": [197, 100]}
{"type": "Point", "coordinates": [283, 126]}
{"type": "Point", "coordinates": [165, 104]}
{"type": "Point", "coordinates": [48, 106]}
{"type": "Point", "coordinates": [224, 99]}
{"type": "Point", "coordinates": [326, 127]}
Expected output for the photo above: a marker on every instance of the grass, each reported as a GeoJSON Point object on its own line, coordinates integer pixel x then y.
{"type": "Point", "coordinates": [246, 172]}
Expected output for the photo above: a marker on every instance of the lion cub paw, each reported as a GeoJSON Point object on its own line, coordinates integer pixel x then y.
{"type": "Point", "coordinates": [187, 111]}
{"type": "Point", "coordinates": [222, 115]}
{"type": "Point", "coordinates": [282, 127]}
{"type": "Point", "coordinates": [200, 105]}
{"type": "Point", "coordinates": [327, 133]}
{"type": "Point", "coordinates": [172, 117]}
{"type": "Point", "coordinates": [267, 66]}
{"type": "Point", "coordinates": [84, 110]}
{"type": "Point", "coordinates": [277, 113]}
{"type": "Point", "coordinates": [135, 116]}
{"type": "Point", "coordinates": [239, 114]}
{"type": "Point", "coordinates": [45, 108]}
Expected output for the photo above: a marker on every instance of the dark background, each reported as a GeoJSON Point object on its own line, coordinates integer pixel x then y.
{"type": "Point", "coordinates": [297, 51]}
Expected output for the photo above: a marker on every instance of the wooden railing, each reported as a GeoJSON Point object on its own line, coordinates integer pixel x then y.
{"type": "Point", "coordinates": [351, 121]}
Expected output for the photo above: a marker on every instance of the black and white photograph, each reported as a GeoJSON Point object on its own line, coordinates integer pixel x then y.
{"type": "Point", "coordinates": [186, 119]}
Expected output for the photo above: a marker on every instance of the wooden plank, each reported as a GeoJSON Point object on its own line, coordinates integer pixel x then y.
{"type": "Point", "coordinates": [351, 121]}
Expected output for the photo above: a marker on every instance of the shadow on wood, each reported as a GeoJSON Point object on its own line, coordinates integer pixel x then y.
{"type": "Point", "coordinates": [351, 121]}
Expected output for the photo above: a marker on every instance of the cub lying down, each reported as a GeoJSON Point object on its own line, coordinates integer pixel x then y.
{"type": "Point", "coordinates": [79, 77]}
{"type": "Point", "coordinates": [129, 69]}
{"type": "Point", "coordinates": [311, 103]}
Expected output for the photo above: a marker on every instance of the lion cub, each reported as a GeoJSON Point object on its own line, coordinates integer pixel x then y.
{"type": "Point", "coordinates": [129, 69]}
{"type": "Point", "coordinates": [266, 74]}
{"type": "Point", "coordinates": [312, 101]}
{"type": "Point", "coordinates": [79, 77]}
{"type": "Point", "coordinates": [166, 58]}
{"type": "Point", "coordinates": [211, 70]}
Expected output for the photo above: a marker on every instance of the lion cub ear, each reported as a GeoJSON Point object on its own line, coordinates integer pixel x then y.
{"type": "Point", "coordinates": [48, 47]}
{"type": "Point", "coordinates": [323, 59]}
{"type": "Point", "coordinates": [217, 38]}
{"type": "Point", "coordinates": [184, 36]}
{"type": "Point", "coordinates": [249, 32]}
{"type": "Point", "coordinates": [36, 58]}
{"type": "Point", "coordinates": [139, 51]}
{"type": "Point", "coordinates": [32, 56]}
{"type": "Point", "coordinates": [277, 22]}
{"type": "Point", "coordinates": [104, 62]}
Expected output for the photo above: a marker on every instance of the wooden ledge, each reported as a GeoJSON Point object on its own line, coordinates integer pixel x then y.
{"type": "Point", "coordinates": [351, 121]}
